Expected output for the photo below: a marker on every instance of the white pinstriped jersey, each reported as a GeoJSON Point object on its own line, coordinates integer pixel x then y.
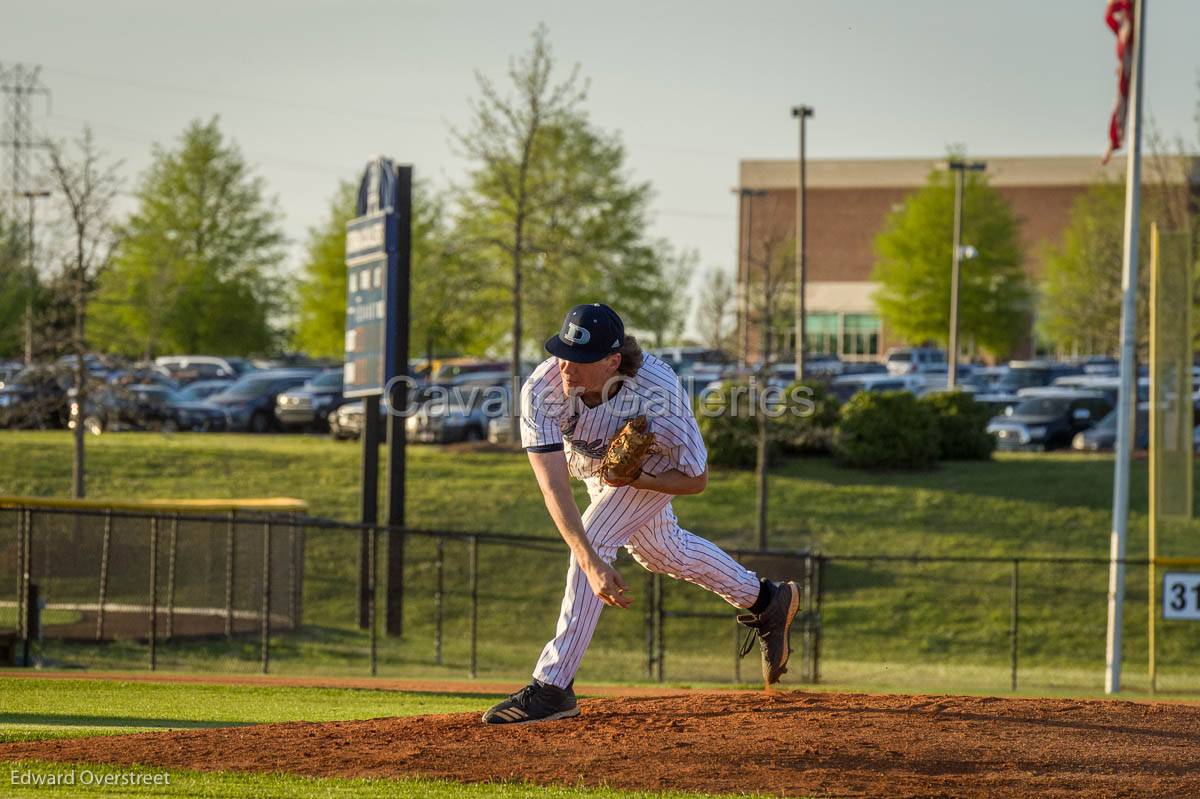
{"type": "Point", "coordinates": [549, 421]}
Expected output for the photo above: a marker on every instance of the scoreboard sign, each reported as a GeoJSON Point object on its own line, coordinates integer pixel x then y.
{"type": "Point", "coordinates": [371, 283]}
{"type": "Point", "coordinates": [1181, 596]}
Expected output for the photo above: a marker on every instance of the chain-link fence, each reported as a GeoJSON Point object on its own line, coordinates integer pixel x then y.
{"type": "Point", "coordinates": [290, 594]}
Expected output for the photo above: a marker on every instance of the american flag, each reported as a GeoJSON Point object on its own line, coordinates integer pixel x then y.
{"type": "Point", "coordinates": [1119, 18]}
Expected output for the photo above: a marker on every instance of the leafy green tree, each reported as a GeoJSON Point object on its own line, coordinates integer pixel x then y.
{"type": "Point", "coordinates": [14, 285]}
{"type": "Point", "coordinates": [446, 306]}
{"type": "Point", "coordinates": [321, 289]}
{"type": "Point", "coordinates": [1079, 307]}
{"type": "Point", "coordinates": [197, 267]}
{"type": "Point", "coordinates": [550, 209]}
{"type": "Point", "coordinates": [912, 266]}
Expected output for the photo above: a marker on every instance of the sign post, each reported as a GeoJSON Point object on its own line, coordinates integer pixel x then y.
{"type": "Point", "coordinates": [378, 256]}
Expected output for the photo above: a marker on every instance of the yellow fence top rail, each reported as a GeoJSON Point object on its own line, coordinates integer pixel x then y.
{"type": "Point", "coordinates": [270, 504]}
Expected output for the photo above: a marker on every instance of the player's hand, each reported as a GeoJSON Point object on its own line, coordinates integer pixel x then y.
{"type": "Point", "coordinates": [606, 583]}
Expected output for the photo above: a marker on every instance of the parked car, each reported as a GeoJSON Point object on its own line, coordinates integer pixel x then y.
{"type": "Point", "coordinates": [1031, 374]}
{"type": "Point", "coordinates": [250, 401]}
{"type": "Point", "coordinates": [1048, 418]}
{"type": "Point", "coordinates": [310, 404]}
{"type": "Point", "coordinates": [346, 422]}
{"type": "Point", "coordinates": [463, 417]}
{"type": "Point", "coordinates": [35, 398]}
{"type": "Point", "coordinates": [1103, 435]}
{"type": "Point", "coordinates": [147, 407]}
{"type": "Point", "coordinates": [9, 370]}
{"type": "Point", "coordinates": [847, 386]}
{"type": "Point", "coordinates": [189, 368]}
{"type": "Point", "coordinates": [909, 360]}
{"type": "Point", "coordinates": [456, 369]}
{"type": "Point", "coordinates": [203, 389]}
{"type": "Point", "coordinates": [96, 366]}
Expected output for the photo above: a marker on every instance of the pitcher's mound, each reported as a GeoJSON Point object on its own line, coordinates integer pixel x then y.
{"type": "Point", "coordinates": [798, 744]}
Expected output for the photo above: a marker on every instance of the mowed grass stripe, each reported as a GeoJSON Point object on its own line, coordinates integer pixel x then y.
{"type": "Point", "coordinates": [217, 785]}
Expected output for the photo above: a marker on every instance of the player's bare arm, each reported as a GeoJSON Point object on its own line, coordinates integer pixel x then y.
{"type": "Point", "coordinates": [673, 482]}
{"type": "Point", "coordinates": [553, 478]}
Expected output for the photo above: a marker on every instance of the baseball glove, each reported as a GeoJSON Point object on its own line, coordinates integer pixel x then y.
{"type": "Point", "coordinates": [622, 462]}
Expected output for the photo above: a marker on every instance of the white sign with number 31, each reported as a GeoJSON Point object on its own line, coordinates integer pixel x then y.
{"type": "Point", "coordinates": [1181, 596]}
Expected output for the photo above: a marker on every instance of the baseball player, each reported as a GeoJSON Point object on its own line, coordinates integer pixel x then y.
{"type": "Point", "coordinates": [571, 407]}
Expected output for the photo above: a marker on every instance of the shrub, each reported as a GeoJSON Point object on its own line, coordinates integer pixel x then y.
{"type": "Point", "coordinates": [808, 425]}
{"type": "Point", "coordinates": [962, 426]}
{"type": "Point", "coordinates": [730, 433]}
{"type": "Point", "coordinates": [891, 429]}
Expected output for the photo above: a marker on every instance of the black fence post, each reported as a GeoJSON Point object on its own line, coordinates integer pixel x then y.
{"type": "Point", "coordinates": [105, 553]}
{"type": "Point", "coordinates": [1014, 615]}
{"type": "Point", "coordinates": [293, 586]}
{"type": "Point", "coordinates": [153, 593]}
{"type": "Point", "coordinates": [173, 548]}
{"type": "Point", "coordinates": [649, 620]}
{"type": "Point", "coordinates": [817, 619]}
{"type": "Point", "coordinates": [266, 598]}
{"type": "Point", "coordinates": [230, 548]}
{"type": "Point", "coordinates": [33, 623]}
{"type": "Point", "coordinates": [438, 598]}
{"type": "Point", "coordinates": [660, 618]}
{"type": "Point", "coordinates": [372, 597]}
{"type": "Point", "coordinates": [473, 579]}
{"type": "Point", "coordinates": [737, 651]}
{"type": "Point", "coordinates": [22, 575]}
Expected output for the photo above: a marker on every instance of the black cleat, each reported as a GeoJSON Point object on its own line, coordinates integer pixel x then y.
{"type": "Point", "coordinates": [537, 701]}
{"type": "Point", "coordinates": [772, 627]}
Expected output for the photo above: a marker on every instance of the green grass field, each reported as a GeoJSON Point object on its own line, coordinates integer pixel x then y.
{"type": "Point", "coordinates": [893, 625]}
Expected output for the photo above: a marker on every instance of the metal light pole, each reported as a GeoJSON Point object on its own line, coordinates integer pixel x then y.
{"type": "Point", "coordinates": [32, 196]}
{"type": "Point", "coordinates": [960, 168]}
{"type": "Point", "coordinates": [744, 197]}
{"type": "Point", "coordinates": [801, 112]}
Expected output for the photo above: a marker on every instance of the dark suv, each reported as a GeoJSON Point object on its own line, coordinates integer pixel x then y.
{"type": "Point", "coordinates": [35, 398]}
{"type": "Point", "coordinates": [1048, 418]}
{"type": "Point", "coordinates": [250, 401]}
{"type": "Point", "coordinates": [311, 404]}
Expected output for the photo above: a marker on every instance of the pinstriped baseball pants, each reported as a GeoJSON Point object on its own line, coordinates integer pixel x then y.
{"type": "Point", "coordinates": [643, 522]}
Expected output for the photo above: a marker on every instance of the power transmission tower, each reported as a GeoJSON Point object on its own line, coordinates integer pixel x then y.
{"type": "Point", "coordinates": [20, 83]}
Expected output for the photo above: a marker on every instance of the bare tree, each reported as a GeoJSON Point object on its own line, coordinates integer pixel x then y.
{"type": "Point", "coordinates": [504, 137]}
{"type": "Point", "coordinates": [769, 255]}
{"type": "Point", "coordinates": [85, 187]}
{"type": "Point", "coordinates": [714, 310]}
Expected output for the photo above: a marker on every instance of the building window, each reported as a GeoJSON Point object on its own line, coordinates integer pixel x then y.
{"type": "Point", "coordinates": [860, 336]}
{"type": "Point", "coordinates": [821, 330]}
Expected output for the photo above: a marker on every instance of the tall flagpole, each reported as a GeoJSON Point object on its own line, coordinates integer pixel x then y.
{"type": "Point", "coordinates": [1127, 397]}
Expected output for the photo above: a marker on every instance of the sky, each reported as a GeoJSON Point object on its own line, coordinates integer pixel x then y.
{"type": "Point", "coordinates": [310, 91]}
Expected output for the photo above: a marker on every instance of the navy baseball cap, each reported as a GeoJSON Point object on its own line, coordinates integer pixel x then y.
{"type": "Point", "coordinates": [589, 333]}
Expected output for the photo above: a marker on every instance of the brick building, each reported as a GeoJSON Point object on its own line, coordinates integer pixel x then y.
{"type": "Point", "coordinates": [848, 201]}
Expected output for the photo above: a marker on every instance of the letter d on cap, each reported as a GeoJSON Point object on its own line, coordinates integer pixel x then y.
{"type": "Point", "coordinates": [574, 334]}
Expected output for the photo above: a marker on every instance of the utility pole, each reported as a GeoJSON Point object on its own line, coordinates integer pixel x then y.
{"type": "Point", "coordinates": [32, 197]}
{"type": "Point", "coordinates": [801, 112]}
{"type": "Point", "coordinates": [744, 198]}
{"type": "Point", "coordinates": [960, 168]}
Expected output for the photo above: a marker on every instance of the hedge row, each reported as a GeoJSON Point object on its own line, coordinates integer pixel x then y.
{"type": "Point", "coordinates": [888, 430]}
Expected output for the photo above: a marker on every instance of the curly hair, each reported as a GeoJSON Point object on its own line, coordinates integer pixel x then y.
{"type": "Point", "coordinates": [631, 357]}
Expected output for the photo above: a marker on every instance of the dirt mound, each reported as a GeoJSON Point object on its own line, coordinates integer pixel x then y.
{"type": "Point", "coordinates": [783, 743]}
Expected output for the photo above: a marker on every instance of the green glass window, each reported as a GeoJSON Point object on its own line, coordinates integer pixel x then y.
{"type": "Point", "coordinates": [860, 334]}
{"type": "Point", "coordinates": [821, 330]}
